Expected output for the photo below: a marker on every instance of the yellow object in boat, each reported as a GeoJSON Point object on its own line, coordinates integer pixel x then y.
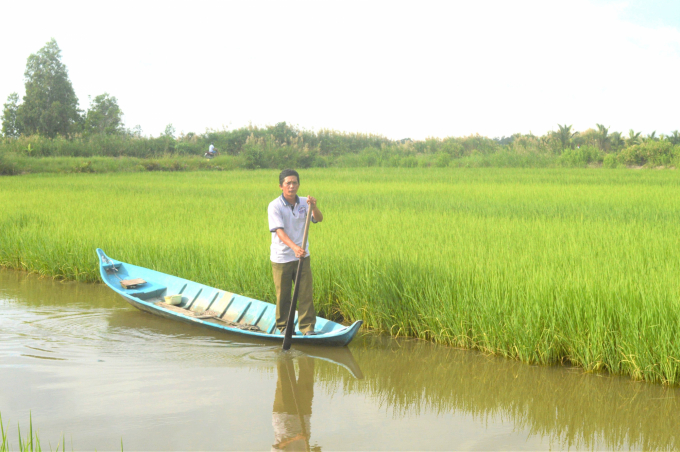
{"type": "Point", "coordinates": [173, 299]}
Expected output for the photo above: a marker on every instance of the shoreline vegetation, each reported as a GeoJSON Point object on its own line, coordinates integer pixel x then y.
{"type": "Point", "coordinates": [283, 145]}
{"type": "Point", "coordinates": [28, 443]}
{"type": "Point", "coordinates": [546, 266]}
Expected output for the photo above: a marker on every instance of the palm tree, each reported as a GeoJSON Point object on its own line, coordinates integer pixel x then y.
{"type": "Point", "coordinates": [674, 138]}
{"type": "Point", "coordinates": [602, 137]}
{"type": "Point", "coordinates": [616, 140]}
{"type": "Point", "coordinates": [565, 135]}
{"type": "Point", "coordinates": [633, 138]}
{"type": "Point", "coordinates": [651, 137]}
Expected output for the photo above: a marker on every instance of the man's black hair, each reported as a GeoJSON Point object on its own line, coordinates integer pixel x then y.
{"type": "Point", "coordinates": [288, 172]}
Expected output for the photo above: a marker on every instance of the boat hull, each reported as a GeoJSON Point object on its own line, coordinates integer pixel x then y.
{"type": "Point", "coordinates": [235, 311]}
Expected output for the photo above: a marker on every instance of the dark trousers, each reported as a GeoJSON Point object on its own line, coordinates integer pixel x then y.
{"type": "Point", "coordinates": [284, 277]}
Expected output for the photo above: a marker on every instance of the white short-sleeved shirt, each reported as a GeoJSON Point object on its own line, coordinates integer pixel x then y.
{"type": "Point", "coordinates": [211, 148]}
{"type": "Point", "coordinates": [283, 215]}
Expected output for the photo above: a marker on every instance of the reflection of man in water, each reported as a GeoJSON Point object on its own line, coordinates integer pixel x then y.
{"type": "Point", "coordinates": [292, 413]}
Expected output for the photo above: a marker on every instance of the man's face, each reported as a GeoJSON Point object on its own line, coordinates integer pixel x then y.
{"type": "Point", "coordinates": [290, 186]}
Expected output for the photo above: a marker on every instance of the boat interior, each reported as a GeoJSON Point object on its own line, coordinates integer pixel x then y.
{"type": "Point", "coordinates": [203, 302]}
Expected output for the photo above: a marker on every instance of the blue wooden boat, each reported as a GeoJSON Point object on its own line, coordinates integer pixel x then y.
{"type": "Point", "coordinates": [213, 308]}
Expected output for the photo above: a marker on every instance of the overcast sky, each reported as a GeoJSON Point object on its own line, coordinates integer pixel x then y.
{"type": "Point", "coordinates": [401, 69]}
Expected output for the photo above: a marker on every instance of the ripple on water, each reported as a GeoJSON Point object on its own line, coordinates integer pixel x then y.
{"type": "Point", "coordinates": [70, 333]}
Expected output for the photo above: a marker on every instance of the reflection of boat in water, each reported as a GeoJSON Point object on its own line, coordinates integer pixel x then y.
{"type": "Point", "coordinates": [209, 307]}
{"type": "Point", "coordinates": [341, 356]}
{"type": "Point", "coordinates": [128, 323]}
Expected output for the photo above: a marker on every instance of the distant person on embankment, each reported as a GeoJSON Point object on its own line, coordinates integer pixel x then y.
{"type": "Point", "coordinates": [287, 215]}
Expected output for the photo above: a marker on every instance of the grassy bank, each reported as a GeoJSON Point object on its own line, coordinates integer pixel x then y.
{"type": "Point", "coordinates": [543, 266]}
{"type": "Point", "coordinates": [16, 164]}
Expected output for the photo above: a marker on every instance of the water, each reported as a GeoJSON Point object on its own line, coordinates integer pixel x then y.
{"type": "Point", "coordinates": [89, 367]}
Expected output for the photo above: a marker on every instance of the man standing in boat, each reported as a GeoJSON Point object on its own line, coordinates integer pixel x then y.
{"type": "Point", "coordinates": [287, 215]}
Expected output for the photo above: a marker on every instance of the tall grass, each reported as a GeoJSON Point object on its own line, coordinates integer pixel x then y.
{"type": "Point", "coordinates": [11, 164]}
{"type": "Point", "coordinates": [17, 164]}
{"type": "Point", "coordinates": [29, 443]}
{"type": "Point", "coordinates": [543, 266]}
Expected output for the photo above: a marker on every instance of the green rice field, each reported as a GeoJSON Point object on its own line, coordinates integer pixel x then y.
{"type": "Point", "coordinates": [575, 266]}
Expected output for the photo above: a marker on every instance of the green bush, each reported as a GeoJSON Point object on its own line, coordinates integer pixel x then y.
{"type": "Point", "coordinates": [7, 167]}
{"type": "Point", "coordinates": [348, 161]}
{"type": "Point", "coordinates": [452, 147]}
{"type": "Point", "coordinates": [84, 167]}
{"type": "Point", "coordinates": [393, 161]}
{"type": "Point", "coordinates": [610, 161]}
{"type": "Point", "coordinates": [653, 153]}
{"type": "Point", "coordinates": [505, 159]}
{"type": "Point", "coordinates": [581, 157]}
{"type": "Point", "coordinates": [408, 162]}
{"type": "Point", "coordinates": [370, 157]}
{"type": "Point", "coordinates": [443, 160]}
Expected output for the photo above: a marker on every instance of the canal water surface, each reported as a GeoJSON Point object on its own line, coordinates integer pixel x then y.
{"type": "Point", "coordinates": [90, 368]}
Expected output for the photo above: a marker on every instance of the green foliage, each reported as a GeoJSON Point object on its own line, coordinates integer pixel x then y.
{"type": "Point", "coordinates": [617, 142]}
{"type": "Point", "coordinates": [543, 266]}
{"type": "Point", "coordinates": [30, 443]}
{"type": "Point", "coordinates": [91, 145]}
{"type": "Point", "coordinates": [407, 162]}
{"type": "Point", "coordinates": [135, 132]}
{"type": "Point", "coordinates": [581, 157]}
{"type": "Point", "coordinates": [610, 161]}
{"type": "Point", "coordinates": [104, 116]}
{"type": "Point", "coordinates": [50, 105]}
{"type": "Point", "coordinates": [674, 137]}
{"type": "Point", "coordinates": [282, 145]}
{"type": "Point", "coordinates": [564, 135]}
{"type": "Point", "coordinates": [10, 128]}
{"type": "Point", "coordinates": [506, 159]}
{"type": "Point", "coordinates": [633, 138]}
{"type": "Point", "coordinates": [602, 137]}
{"type": "Point", "coordinates": [452, 147]}
{"type": "Point", "coordinates": [163, 165]}
{"type": "Point", "coordinates": [7, 166]}
{"type": "Point", "coordinates": [652, 153]}
{"type": "Point", "coordinates": [169, 131]}
{"type": "Point", "coordinates": [84, 167]}
{"type": "Point", "coordinates": [443, 160]}
{"type": "Point", "coordinates": [478, 144]}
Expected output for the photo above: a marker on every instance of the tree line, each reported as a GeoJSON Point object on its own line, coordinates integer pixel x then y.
{"type": "Point", "coordinates": [49, 123]}
{"type": "Point", "coordinates": [606, 141]}
{"type": "Point", "coordinates": [50, 107]}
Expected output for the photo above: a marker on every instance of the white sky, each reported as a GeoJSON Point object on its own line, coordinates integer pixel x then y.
{"type": "Point", "coordinates": [402, 69]}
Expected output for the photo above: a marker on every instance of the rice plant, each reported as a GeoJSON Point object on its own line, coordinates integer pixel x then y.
{"type": "Point", "coordinates": [29, 443]}
{"type": "Point", "coordinates": [544, 266]}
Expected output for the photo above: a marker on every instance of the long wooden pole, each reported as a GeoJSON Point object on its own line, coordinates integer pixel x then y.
{"type": "Point", "coordinates": [290, 326]}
